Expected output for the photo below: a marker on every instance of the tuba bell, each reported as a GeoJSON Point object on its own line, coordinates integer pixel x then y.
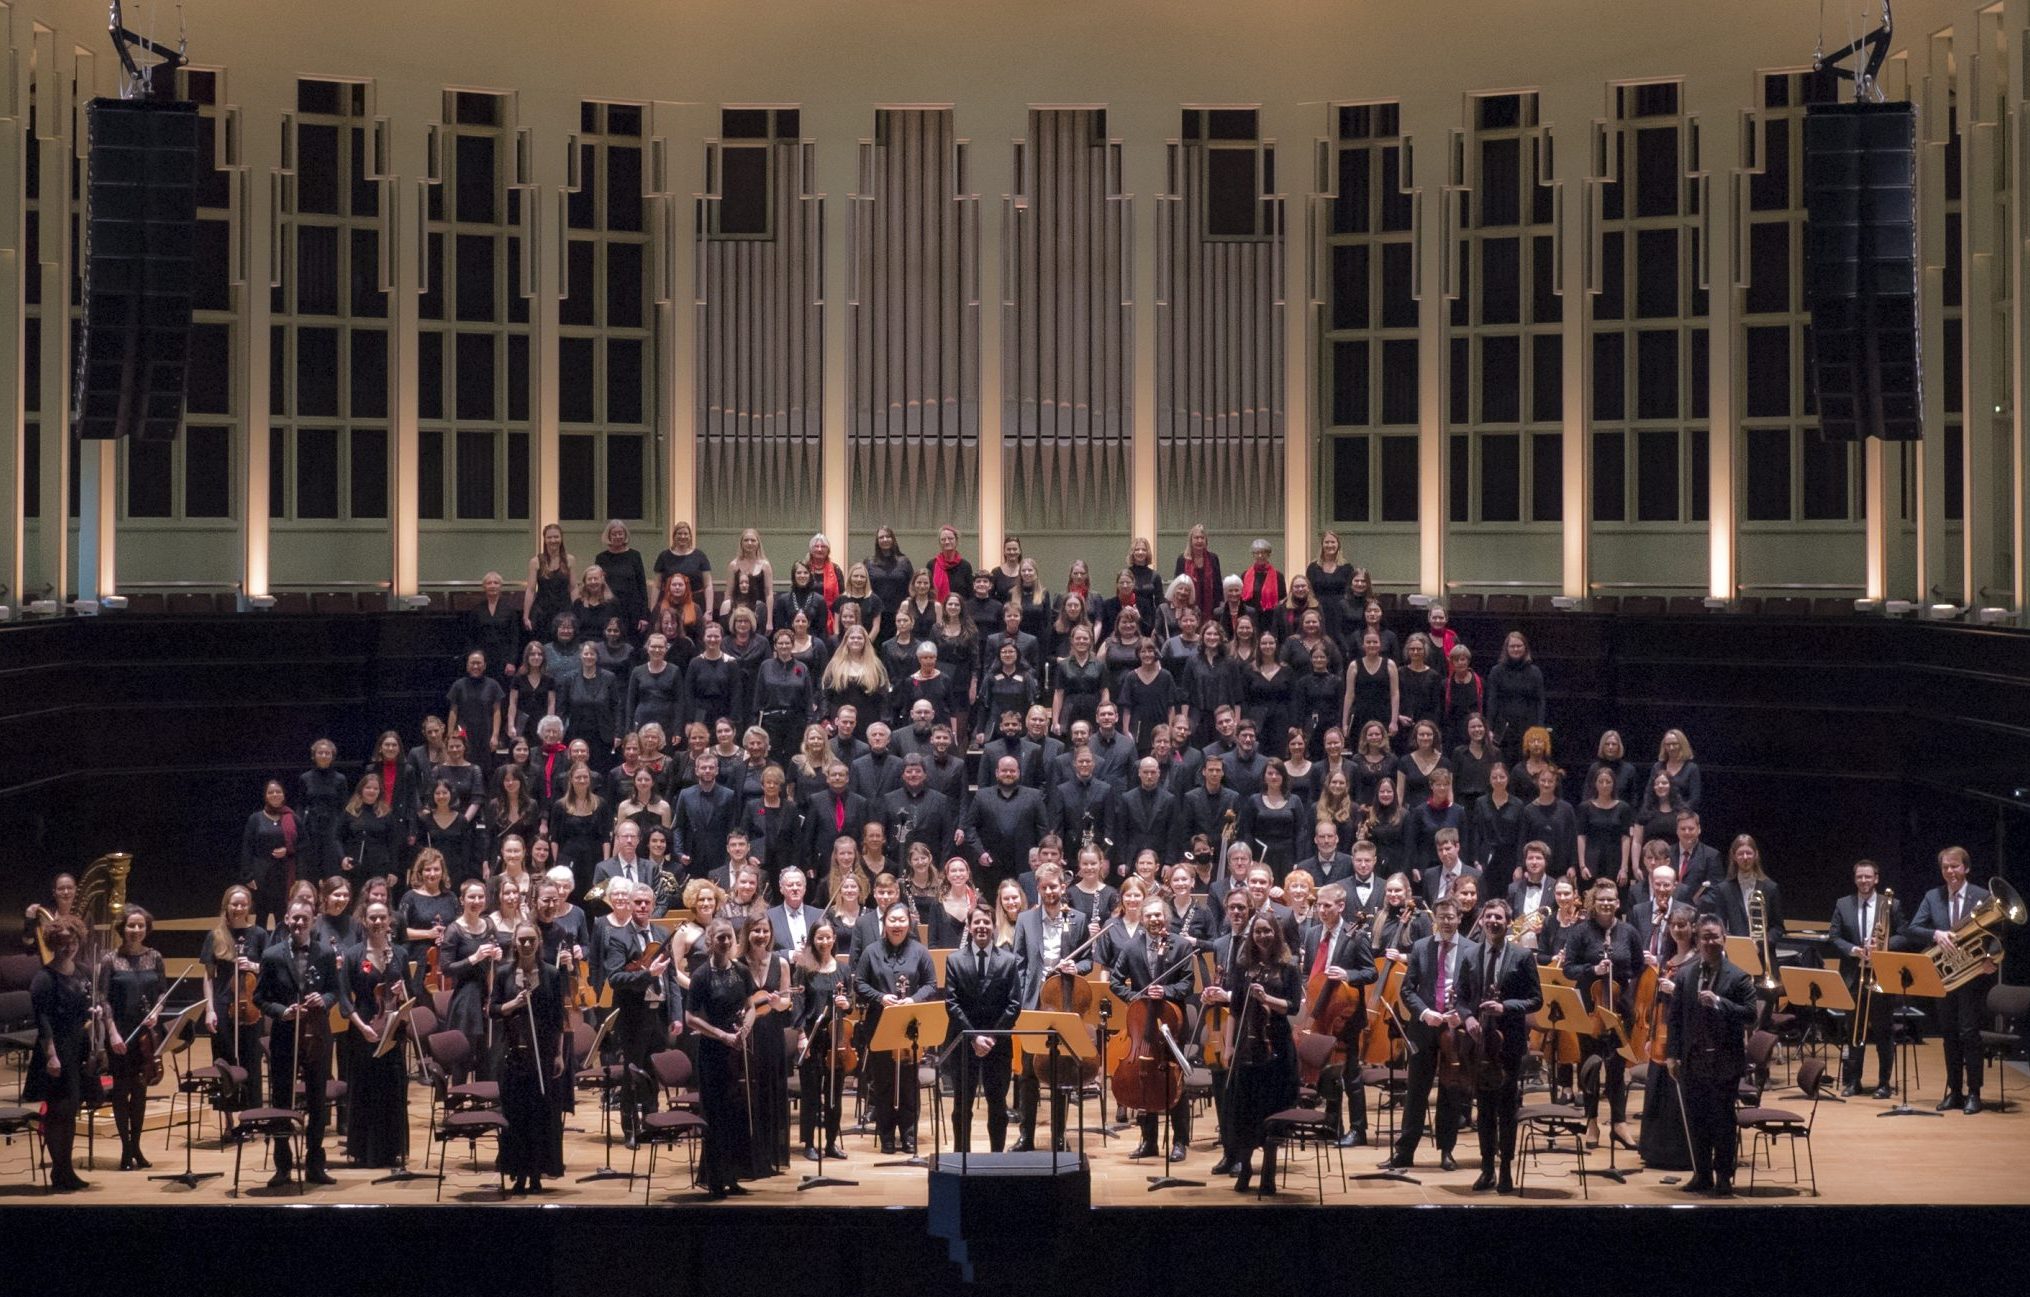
{"type": "Point", "coordinates": [1977, 941]}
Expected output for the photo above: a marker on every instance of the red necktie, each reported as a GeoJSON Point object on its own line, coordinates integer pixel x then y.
{"type": "Point", "coordinates": [839, 813]}
{"type": "Point", "coordinates": [1319, 960]}
{"type": "Point", "coordinates": [1444, 991]}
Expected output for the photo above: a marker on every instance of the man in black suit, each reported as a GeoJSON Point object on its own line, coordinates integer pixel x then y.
{"type": "Point", "coordinates": [1856, 921]}
{"type": "Point", "coordinates": [1534, 890]}
{"type": "Point", "coordinates": [947, 769]}
{"type": "Point", "coordinates": [983, 992]}
{"type": "Point", "coordinates": [1697, 864]}
{"type": "Point", "coordinates": [834, 813]}
{"type": "Point", "coordinates": [1439, 988]}
{"type": "Point", "coordinates": [1255, 879]}
{"type": "Point", "coordinates": [1364, 886]}
{"type": "Point", "coordinates": [1245, 764]}
{"type": "Point", "coordinates": [1156, 964]}
{"type": "Point", "coordinates": [641, 1001]}
{"type": "Point", "coordinates": [1207, 807]}
{"type": "Point", "coordinates": [705, 813]}
{"type": "Point", "coordinates": [1712, 1003]}
{"type": "Point", "coordinates": [1508, 996]}
{"type": "Point", "coordinates": [916, 812]}
{"type": "Point", "coordinates": [1651, 916]}
{"type": "Point", "coordinates": [298, 984]}
{"type": "Point", "coordinates": [878, 771]}
{"type": "Point", "coordinates": [1337, 949]}
{"type": "Point", "coordinates": [1078, 805]}
{"type": "Point", "coordinates": [1440, 881]}
{"type": "Point", "coordinates": [1326, 864]}
{"type": "Point", "coordinates": [1603, 949]}
{"type": "Point", "coordinates": [890, 972]}
{"type": "Point", "coordinates": [1145, 817]}
{"type": "Point", "coordinates": [792, 921]}
{"type": "Point", "coordinates": [1011, 742]}
{"type": "Point", "coordinates": [1003, 825]}
{"type": "Point", "coordinates": [1959, 1013]}
{"type": "Point", "coordinates": [1045, 936]}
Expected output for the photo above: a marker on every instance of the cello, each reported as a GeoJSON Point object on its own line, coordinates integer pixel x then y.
{"type": "Point", "coordinates": [1148, 1079]}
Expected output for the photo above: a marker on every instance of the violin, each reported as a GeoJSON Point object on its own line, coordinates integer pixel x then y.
{"type": "Point", "coordinates": [1213, 1018]}
{"type": "Point", "coordinates": [1658, 1044]}
{"type": "Point", "coordinates": [649, 954]}
{"type": "Point", "coordinates": [1609, 1020]}
{"type": "Point", "coordinates": [433, 980]}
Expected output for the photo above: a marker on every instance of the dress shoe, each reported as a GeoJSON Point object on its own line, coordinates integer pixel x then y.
{"type": "Point", "coordinates": [909, 1145]}
{"type": "Point", "coordinates": [520, 1188]}
{"type": "Point", "coordinates": [832, 1150]}
{"type": "Point", "coordinates": [141, 1161]}
{"type": "Point", "coordinates": [1952, 1100]}
{"type": "Point", "coordinates": [318, 1175]}
{"type": "Point", "coordinates": [282, 1179]}
{"type": "Point", "coordinates": [1697, 1184]}
{"type": "Point", "coordinates": [1882, 1092]}
{"type": "Point", "coordinates": [126, 1161]}
{"type": "Point", "coordinates": [1484, 1181]}
{"type": "Point", "coordinates": [1850, 1089]}
{"type": "Point", "coordinates": [1022, 1144]}
{"type": "Point", "coordinates": [1447, 1163]}
{"type": "Point", "coordinates": [1973, 1104]}
{"type": "Point", "coordinates": [630, 1143]}
{"type": "Point", "coordinates": [1723, 1188]}
{"type": "Point", "coordinates": [887, 1147]}
{"type": "Point", "coordinates": [1353, 1139]}
{"type": "Point", "coordinates": [1225, 1165]}
{"type": "Point", "coordinates": [1622, 1137]}
{"type": "Point", "coordinates": [1245, 1177]}
{"type": "Point", "coordinates": [1063, 1146]}
{"type": "Point", "coordinates": [810, 1153]}
{"type": "Point", "coordinates": [737, 1190]}
{"type": "Point", "coordinates": [68, 1183]}
{"type": "Point", "coordinates": [1179, 1152]}
{"type": "Point", "coordinates": [535, 1184]}
{"type": "Point", "coordinates": [1504, 1183]}
{"type": "Point", "coordinates": [1269, 1185]}
{"type": "Point", "coordinates": [1147, 1148]}
{"type": "Point", "coordinates": [1391, 1164]}
{"type": "Point", "coordinates": [1592, 1134]}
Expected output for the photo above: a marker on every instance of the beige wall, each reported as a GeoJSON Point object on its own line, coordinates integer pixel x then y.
{"type": "Point", "coordinates": [1140, 58]}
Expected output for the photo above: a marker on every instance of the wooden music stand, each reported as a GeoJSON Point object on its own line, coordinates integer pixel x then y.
{"type": "Point", "coordinates": [393, 1032]}
{"type": "Point", "coordinates": [1745, 955]}
{"type": "Point", "coordinates": [1904, 973]}
{"type": "Point", "coordinates": [1067, 1038]}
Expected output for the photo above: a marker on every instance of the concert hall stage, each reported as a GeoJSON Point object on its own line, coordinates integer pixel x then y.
{"type": "Point", "coordinates": [1952, 1186]}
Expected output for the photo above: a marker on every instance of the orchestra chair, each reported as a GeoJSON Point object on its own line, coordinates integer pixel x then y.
{"type": "Point", "coordinates": [470, 1125]}
{"type": "Point", "coordinates": [444, 1053]}
{"type": "Point", "coordinates": [1541, 1126]}
{"type": "Point", "coordinates": [2007, 1005]}
{"type": "Point", "coordinates": [1772, 1124]}
{"type": "Point", "coordinates": [27, 1123]}
{"type": "Point", "coordinates": [218, 1084]}
{"type": "Point", "coordinates": [672, 1124]}
{"type": "Point", "coordinates": [422, 1025]}
{"type": "Point", "coordinates": [1308, 1125]}
{"type": "Point", "coordinates": [265, 1123]}
{"type": "Point", "coordinates": [17, 1029]}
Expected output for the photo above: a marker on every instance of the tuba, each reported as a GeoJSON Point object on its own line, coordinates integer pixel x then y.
{"type": "Point", "coordinates": [1977, 941]}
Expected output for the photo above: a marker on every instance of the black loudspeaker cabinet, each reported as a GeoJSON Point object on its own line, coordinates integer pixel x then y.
{"type": "Point", "coordinates": [140, 223]}
{"type": "Point", "coordinates": [1861, 269]}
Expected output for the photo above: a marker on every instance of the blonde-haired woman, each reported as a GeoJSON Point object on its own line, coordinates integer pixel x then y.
{"type": "Point", "coordinates": [232, 962]}
{"type": "Point", "coordinates": [1674, 758]}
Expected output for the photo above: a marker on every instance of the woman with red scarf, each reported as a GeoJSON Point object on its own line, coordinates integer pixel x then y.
{"type": "Point", "coordinates": [1202, 565]}
{"type": "Point", "coordinates": [1261, 584]}
{"type": "Point", "coordinates": [950, 573]}
{"type": "Point", "coordinates": [827, 577]}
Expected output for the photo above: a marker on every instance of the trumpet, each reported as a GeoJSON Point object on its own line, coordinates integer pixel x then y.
{"type": "Point", "coordinates": [1528, 923]}
{"type": "Point", "coordinates": [1977, 941]}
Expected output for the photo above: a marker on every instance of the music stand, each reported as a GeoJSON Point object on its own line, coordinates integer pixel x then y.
{"type": "Point", "coordinates": [1106, 1002]}
{"type": "Point", "coordinates": [1823, 991]}
{"type": "Point", "coordinates": [172, 1039]}
{"type": "Point", "coordinates": [391, 1040]}
{"type": "Point", "coordinates": [1565, 1011]}
{"type": "Point", "coordinates": [1167, 1180]}
{"type": "Point", "coordinates": [1065, 1031]}
{"type": "Point", "coordinates": [915, 1026]}
{"type": "Point", "coordinates": [605, 1171]}
{"type": "Point", "coordinates": [1905, 973]}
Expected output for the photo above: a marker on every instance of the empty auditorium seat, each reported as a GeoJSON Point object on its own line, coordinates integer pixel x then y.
{"type": "Point", "coordinates": [1832, 607]}
{"type": "Point", "coordinates": [147, 604]}
{"type": "Point", "coordinates": [1786, 606]}
{"type": "Point", "coordinates": [1466, 602]}
{"type": "Point", "coordinates": [291, 601]}
{"type": "Point", "coordinates": [191, 602]}
{"type": "Point", "coordinates": [1542, 603]}
{"type": "Point", "coordinates": [1750, 603]}
{"type": "Point", "coordinates": [465, 600]}
{"type": "Point", "coordinates": [1642, 605]}
{"type": "Point", "coordinates": [333, 601]}
{"type": "Point", "coordinates": [1508, 603]}
{"type": "Point", "coordinates": [1686, 605]}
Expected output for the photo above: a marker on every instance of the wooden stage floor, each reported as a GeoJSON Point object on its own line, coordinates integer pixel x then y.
{"type": "Point", "coordinates": [1862, 1159]}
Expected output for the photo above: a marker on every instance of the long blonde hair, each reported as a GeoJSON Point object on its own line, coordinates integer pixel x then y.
{"type": "Point", "coordinates": [222, 945]}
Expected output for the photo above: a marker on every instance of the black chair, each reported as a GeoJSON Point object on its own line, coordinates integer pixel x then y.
{"type": "Point", "coordinates": [27, 1123]}
{"type": "Point", "coordinates": [263, 1123]}
{"type": "Point", "coordinates": [470, 1125]}
{"type": "Point", "coordinates": [1772, 1124]}
{"type": "Point", "coordinates": [2006, 1006]}
{"type": "Point", "coordinates": [674, 1123]}
{"type": "Point", "coordinates": [1309, 1126]}
{"type": "Point", "coordinates": [17, 1026]}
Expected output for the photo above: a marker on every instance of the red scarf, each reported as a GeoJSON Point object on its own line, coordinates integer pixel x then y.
{"type": "Point", "coordinates": [552, 753]}
{"type": "Point", "coordinates": [1265, 580]}
{"type": "Point", "coordinates": [1203, 589]}
{"type": "Point", "coordinates": [941, 575]}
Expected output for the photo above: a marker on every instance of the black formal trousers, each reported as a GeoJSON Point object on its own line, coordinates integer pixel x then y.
{"type": "Point", "coordinates": [1452, 1106]}
{"type": "Point", "coordinates": [987, 1077]}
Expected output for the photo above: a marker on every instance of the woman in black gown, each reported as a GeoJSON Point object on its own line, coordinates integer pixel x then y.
{"type": "Point", "coordinates": [320, 792]}
{"type": "Point", "coordinates": [1662, 1142]}
{"type": "Point", "coordinates": [1265, 989]}
{"type": "Point", "coordinates": [268, 851]}
{"type": "Point", "coordinates": [1277, 819]}
{"type": "Point", "coordinates": [528, 1002]}
{"type": "Point", "coordinates": [61, 998]}
{"type": "Point", "coordinates": [466, 953]}
{"type": "Point", "coordinates": [367, 831]}
{"type": "Point", "coordinates": [547, 590]}
{"type": "Point", "coordinates": [131, 983]}
{"type": "Point", "coordinates": [373, 981]}
{"type": "Point", "coordinates": [717, 1011]}
{"type": "Point", "coordinates": [1267, 690]}
{"type": "Point", "coordinates": [768, 1052]}
{"type": "Point", "coordinates": [581, 822]}
{"type": "Point", "coordinates": [823, 977]}
{"type": "Point", "coordinates": [446, 828]}
{"type": "Point", "coordinates": [233, 952]}
{"type": "Point", "coordinates": [1079, 683]}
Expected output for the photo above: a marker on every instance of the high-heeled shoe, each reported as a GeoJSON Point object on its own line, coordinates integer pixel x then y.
{"type": "Point", "coordinates": [1621, 1137]}
{"type": "Point", "coordinates": [1592, 1134]}
{"type": "Point", "coordinates": [141, 1162]}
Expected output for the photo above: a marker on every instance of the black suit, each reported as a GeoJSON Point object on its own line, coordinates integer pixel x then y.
{"type": "Point", "coordinates": [1144, 820]}
{"type": "Point", "coordinates": [778, 926]}
{"type": "Point", "coordinates": [1029, 951]}
{"type": "Point", "coordinates": [1136, 966]}
{"type": "Point", "coordinates": [1422, 992]}
{"type": "Point", "coordinates": [822, 827]}
{"type": "Point", "coordinates": [644, 1003]}
{"type": "Point", "coordinates": [1511, 977]}
{"type": "Point", "coordinates": [1959, 1013]}
{"type": "Point", "coordinates": [1847, 933]}
{"type": "Point", "coordinates": [1077, 807]}
{"type": "Point", "coordinates": [1701, 867]}
{"type": "Point", "coordinates": [1435, 884]}
{"type": "Point", "coordinates": [1349, 950]}
{"type": "Point", "coordinates": [287, 975]}
{"type": "Point", "coordinates": [1004, 827]}
{"type": "Point", "coordinates": [984, 999]}
{"type": "Point", "coordinates": [876, 774]}
{"type": "Point", "coordinates": [927, 816]}
{"type": "Point", "coordinates": [1337, 868]}
{"type": "Point", "coordinates": [1708, 1046]}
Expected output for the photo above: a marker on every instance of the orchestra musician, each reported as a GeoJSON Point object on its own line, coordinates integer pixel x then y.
{"type": "Point", "coordinates": [1044, 936]}
{"type": "Point", "coordinates": [720, 1010]}
{"type": "Point", "coordinates": [1712, 1003]}
{"type": "Point", "coordinates": [1856, 920]}
{"type": "Point", "coordinates": [232, 959]}
{"type": "Point", "coordinates": [1223, 949]}
{"type": "Point", "coordinates": [1597, 951]}
{"type": "Point", "coordinates": [1337, 947]}
{"type": "Point", "coordinates": [824, 976]}
{"type": "Point", "coordinates": [374, 980]}
{"type": "Point", "coordinates": [298, 980]}
{"type": "Point", "coordinates": [467, 953]}
{"type": "Point", "coordinates": [130, 986]}
{"type": "Point", "coordinates": [893, 971]}
{"type": "Point", "coordinates": [1942, 911]}
{"type": "Point", "coordinates": [528, 999]}
{"type": "Point", "coordinates": [767, 1060]}
{"type": "Point", "coordinates": [1510, 993]}
{"type": "Point", "coordinates": [1663, 1145]}
{"type": "Point", "coordinates": [643, 1000]}
{"type": "Point", "coordinates": [983, 992]}
{"type": "Point", "coordinates": [1440, 990]}
{"type": "Point", "coordinates": [1263, 988]}
{"type": "Point", "coordinates": [1157, 963]}
{"type": "Point", "coordinates": [36, 921]}
{"type": "Point", "coordinates": [1401, 924]}
{"type": "Point", "coordinates": [61, 997]}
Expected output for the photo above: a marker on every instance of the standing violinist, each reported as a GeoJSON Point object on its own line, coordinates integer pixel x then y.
{"type": "Point", "coordinates": [721, 1012]}
{"type": "Point", "coordinates": [231, 964]}
{"type": "Point", "coordinates": [1510, 994]}
{"type": "Point", "coordinates": [1603, 956]}
{"type": "Point", "coordinates": [298, 981]}
{"type": "Point", "coordinates": [1223, 949]}
{"type": "Point", "coordinates": [826, 982]}
{"type": "Point", "coordinates": [61, 997]}
{"type": "Point", "coordinates": [1337, 950]}
{"type": "Point", "coordinates": [130, 987]}
{"type": "Point", "coordinates": [1712, 1003]}
{"type": "Point", "coordinates": [1264, 989]}
{"type": "Point", "coordinates": [528, 999]}
{"type": "Point", "coordinates": [894, 971]}
{"type": "Point", "coordinates": [373, 982]}
{"type": "Point", "coordinates": [1045, 937]}
{"type": "Point", "coordinates": [1663, 1143]}
{"type": "Point", "coordinates": [1856, 921]}
{"type": "Point", "coordinates": [1438, 997]}
{"type": "Point", "coordinates": [983, 992]}
{"type": "Point", "coordinates": [1156, 964]}
{"type": "Point", "coordinates": [641, 998]}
